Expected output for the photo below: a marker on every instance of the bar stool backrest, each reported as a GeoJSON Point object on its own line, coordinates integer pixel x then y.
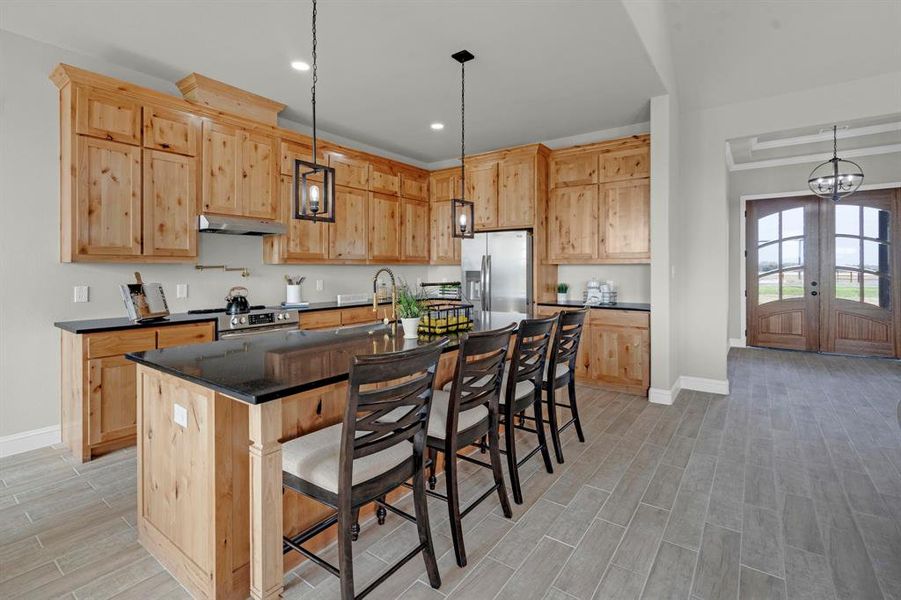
{"type": "Point", "coordinates": [529, 354]}
{"type": "Point", "coordinates": [394, 382]}
{"type": "Point", "coordinates": [566, 340]}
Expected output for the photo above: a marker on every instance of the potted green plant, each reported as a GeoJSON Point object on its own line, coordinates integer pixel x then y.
{"type": "Point", "coordinates": [409, 309]}
{"type": "Point", "coordinates": [562, 289]}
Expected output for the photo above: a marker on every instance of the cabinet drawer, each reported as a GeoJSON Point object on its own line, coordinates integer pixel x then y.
{"type": "Point", "coordinates": [620, 318]}
{"type": "Point", "coordinates": [324, 319]}
{"type": "Point", "coordinates": [184, 335]}
{"type": "Point", "coordinates": [120, 342]}
{"type": "Point", "coordinates": [363, 314]}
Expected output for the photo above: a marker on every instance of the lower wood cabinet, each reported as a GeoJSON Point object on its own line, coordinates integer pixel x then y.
{"type": "Point", "coordinates": [338, 317]}
{"type": "Point", "coordinates": [615, 350]}
{"type": "Point", "coordinates": [99, 384]}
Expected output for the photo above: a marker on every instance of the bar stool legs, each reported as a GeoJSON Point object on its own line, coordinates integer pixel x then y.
{"type": "Point", "coordinates": [425, 534]}
{"type": "Point", "coordinates": [552, 422]}
{"type": "Point", "coordinates": [574, 409]}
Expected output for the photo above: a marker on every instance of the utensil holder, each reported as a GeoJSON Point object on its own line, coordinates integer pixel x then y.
{"type": "Point", "coordinates": [292, 295]}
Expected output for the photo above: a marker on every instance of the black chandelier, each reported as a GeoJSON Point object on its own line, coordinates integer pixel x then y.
{"type": "Point", "coordinates": [462, 210]}
{"type": "Point", "coordinates": [310, 201]}
{"type": "Point", "coordinates": [836, 178]}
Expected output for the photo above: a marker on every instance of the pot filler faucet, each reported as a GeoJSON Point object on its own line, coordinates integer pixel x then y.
{"type": "Point", "coordinates": [375, 301]}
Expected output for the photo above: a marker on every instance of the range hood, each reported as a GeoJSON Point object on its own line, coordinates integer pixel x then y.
{"type": "Point", "coordinates": [239, 225]}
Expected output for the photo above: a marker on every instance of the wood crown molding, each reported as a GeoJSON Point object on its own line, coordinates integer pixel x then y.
{"type": "Point", "coordinates": [200, 89]}
{"type": "Point", "coordinates": [499, 155]}
{"type": "Point", "coordinates": [626, 143]}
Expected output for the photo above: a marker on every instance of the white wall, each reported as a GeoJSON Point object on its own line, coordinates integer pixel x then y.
{"type": "Point", "coordinates": [36, 289]}
{"type": "Point", "coordinates": [702, 266]}
{"type": "Point", "coordinates": [633, 282]}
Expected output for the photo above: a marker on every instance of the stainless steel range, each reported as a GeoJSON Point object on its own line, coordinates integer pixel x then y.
{"type": "Point", "coordinates": [256, 321]}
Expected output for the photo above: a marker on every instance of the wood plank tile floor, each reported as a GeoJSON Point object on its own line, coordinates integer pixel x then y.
{"type": "Point", "coordinates": [790, 487]}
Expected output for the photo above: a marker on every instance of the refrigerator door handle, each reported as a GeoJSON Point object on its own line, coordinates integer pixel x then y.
{"type": "Point", "coordinates": [482, 283]}
{"type": "Point", "coordinates": [488, 276]}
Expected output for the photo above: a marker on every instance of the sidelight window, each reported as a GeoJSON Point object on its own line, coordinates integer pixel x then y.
{"type": "Point", "coordinates": [862, 251]}
{"type": "Point", "coordinates": [780, 256]}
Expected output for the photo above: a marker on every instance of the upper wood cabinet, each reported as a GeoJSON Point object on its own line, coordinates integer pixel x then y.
{"type": "Point", "coordinates": [107, 115]}
{"type": "Point", "coordinates": [625, 215]}
{"type": "Point", "coordinates": [481, 188]}
{"type": "Point", "coordinates": [170, 204]}
{"type": "Point", "coordinates": [384, 227]}
{"type": "Point", "coordinates": [573, 224]}
{"type": "Point", "coordinates": [633, 163]}
{"type": "Point", "coordinates": [349, 171]}
{"type": "Point", "coordinates": [383, 178]}
{"type": "Point", "coordinates": [445, 248]}
{"type": "Point", "coordinates": [348, 236]}
{"type": "Point", "coordinates": [414, 186]}
{"type": "Point", "coordinates": [415, 242]}
{"type": "Point", "coordinates": [305, 241]}
{"type": "Point", "coordinates": [107, 199]}
{"type": "Point", "coordinates": [239, 172]}
{"type": "Point", "coordinates": [579, 168]}
{"type": "Point", "coordinates": [444, 185]}
{"type": "Point", "coordinates": [516, 193]}
{"type": "Point", "coordinates": [171, 130]}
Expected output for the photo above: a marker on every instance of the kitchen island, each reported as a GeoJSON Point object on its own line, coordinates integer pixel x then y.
{"type": "Point", "coordinates": [211, 421]}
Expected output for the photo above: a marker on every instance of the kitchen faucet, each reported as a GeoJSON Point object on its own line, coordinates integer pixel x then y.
{"type": "Point", "coordinates": [375, 300]}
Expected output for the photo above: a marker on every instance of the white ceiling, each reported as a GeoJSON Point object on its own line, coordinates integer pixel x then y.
{"type": "Point", "coordinates": [543, 70]}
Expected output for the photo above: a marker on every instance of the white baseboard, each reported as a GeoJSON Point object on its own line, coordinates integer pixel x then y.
{"type": "Point", "coordinates": [702, 384]}
{"type": "Point", "coordinates": [738, 343]}
{"type": "Point", "coordinates": [29, 440]}
{"type": "Point", "coordinates": [664, 396]}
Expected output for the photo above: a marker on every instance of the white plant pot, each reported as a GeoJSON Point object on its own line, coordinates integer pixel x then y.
{"type": "Point", "coordinates": [411, 328]}
{"type": "Point", "coordinates": [561, 297]}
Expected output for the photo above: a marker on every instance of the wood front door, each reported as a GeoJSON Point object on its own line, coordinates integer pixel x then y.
{"type": "Point", "coordinates": [823, 276]}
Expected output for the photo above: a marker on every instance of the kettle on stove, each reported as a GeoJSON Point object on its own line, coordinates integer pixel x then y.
{"type": "Point", "coordinates": [236, 301]}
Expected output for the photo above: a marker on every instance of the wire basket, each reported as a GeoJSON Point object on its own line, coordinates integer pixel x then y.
{"type": "Point", "coordinates": [445, 311]}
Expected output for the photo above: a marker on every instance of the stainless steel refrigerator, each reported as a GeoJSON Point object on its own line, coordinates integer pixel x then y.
{"type": "Point", "coordinates": [497, 271]}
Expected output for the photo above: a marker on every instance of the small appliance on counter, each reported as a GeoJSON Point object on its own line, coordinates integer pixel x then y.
{"type": "Point", "coordinates": [236, 301]}
{"type": "Point", "coordinates": [600, 293]}
{"type": "Point", "coordinates": [144, 301]}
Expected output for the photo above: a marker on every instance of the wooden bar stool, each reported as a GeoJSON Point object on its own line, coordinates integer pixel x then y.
{"type": "Point", "coordinates": [359, 461]}
{"type": "Point", "coordinates": [523, 390]}
{"type": "Point", "coordinates": [561, 371]}
{"type": "Point", "coordinates": [465, 412]}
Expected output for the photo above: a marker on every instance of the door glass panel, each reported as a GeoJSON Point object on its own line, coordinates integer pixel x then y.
{"type": "Point", "coordinates": [847, 285]}
{"type": "Point", "coordinates": [847, 252]}
{"type": "Point", "coordinates": [847, 219]}
{"type": "Point", "coordinates": [793, 222]}
{"type": "Point", "coordinates": [792, 253]}
{"type": "Point", "coordinates": [875, 256]}
{"type": "Point", "coordinates": [768, 288]}
{"type": "Point", "coordinates": [792, 284]}
{"type": "Point", "coordinates": [768, 258]}
{"type": "Point", "coordinates": [877, 290]}
{"type": "Point", "coordinates": [768, 229]}
{"type": "Point", "coordinates": [876, 223]}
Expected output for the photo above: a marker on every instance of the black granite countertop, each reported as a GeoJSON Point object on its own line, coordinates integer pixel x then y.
{"type": "Point", "coordinates": [266, 367]}
{"type": "Point", "coordinates": [618, 306]}
{"type": "Point", "coordinates": [116, 323]}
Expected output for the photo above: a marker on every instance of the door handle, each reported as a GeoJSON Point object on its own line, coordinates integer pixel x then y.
{"type": "Point", "coordinates": [482, 283]}
{"type": "Point", "coordinates": [488, 273]}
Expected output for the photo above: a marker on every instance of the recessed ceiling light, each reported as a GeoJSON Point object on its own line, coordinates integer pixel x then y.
{"type": "Point", "coordinates": [299, 65]}
{"type": "Point", "coordinates": [437, 126]}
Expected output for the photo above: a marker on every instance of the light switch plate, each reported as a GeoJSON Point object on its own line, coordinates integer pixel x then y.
{"type": "Point", "coordinates": [180, 415]}
{"type": "Point", "coordinates": [80, 293]}
{"type": "Point", "coordinates": [181, 290]}
{"type": "Point", "coordinates": [318, 285]}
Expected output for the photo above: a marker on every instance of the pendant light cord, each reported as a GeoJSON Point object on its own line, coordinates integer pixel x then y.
{"type": "Point", "coordinates": [315, 77]}
{"type": "Point", "coordinates": [462, 131]}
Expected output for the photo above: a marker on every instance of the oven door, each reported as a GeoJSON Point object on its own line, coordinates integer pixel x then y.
{"type": "Point", "coordinates": [239, 333]}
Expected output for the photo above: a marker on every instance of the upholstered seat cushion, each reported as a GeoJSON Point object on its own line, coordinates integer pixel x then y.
{"type": "Point", "coordinates": [438, 418]}
{"type": "Point", "coordinates": [314, 458]}
{"type": "Point", "coordinates": [561, 370]}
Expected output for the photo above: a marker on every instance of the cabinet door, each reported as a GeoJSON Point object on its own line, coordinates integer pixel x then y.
{"type": "Point", "coordinates": [574, 169]}
{"type": "Point", "coordinates": [112, 399]}
{"type": "Point", "coordinates": [626, 164]}
{"type": "Point", "coordinates": [108, 208]}
{"type": "Point", "coordinates": [293, 150]}
{"type": "Point", "coordinates": [347, 236]}
{"type": "Point", "coordinates": [516, 196]}
{"type": "Point", "coordinates": [573, 224]}
{"type": "Point", "coordinates": [444, 186]}
{"type": "Point", "coordinates": [258, 193]}
{"type": "Point", "coordinates": [170, 204]}
{"type": "Point", "coordinates": [107, 115]}
{"type": "Point", "coordinates": [349, 172]}
{"type": "Point", "coordinates": [415, 231]}
{"type": "Point", "coordinates": [445, 247]}
{"type": "Point", "coordinates": [384, 227]}
{"type": "Point", "coordinates": [625, 214]}
{"type": "Point", "coordinates": [383, 178]}
{"type": "Point", "coordinates": [171, 130]}
{"type": "Point", "coordinates": [305, 240]}
{"type": "Point", "coordinates": [619, 355]}
{"type": "Point", "coordinates": [414, 186]}
{"type": "Point", "coordinates": [221, 161]}
{"type": "Point", "coordinates": [481, 186]}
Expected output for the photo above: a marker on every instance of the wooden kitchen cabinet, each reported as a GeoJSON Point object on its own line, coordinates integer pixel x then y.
{"type": "Point", "coordinates": [170, 204]}
{"type": "Point", "coordinates": [625, 213]}
{"type": "Point", "coordinates": [444, 185]}
{"type": "Point", "coordinates": [108, 199]}
{"type": "Point", "coordinates": [384, 227]}
{"type": "Point", "coordinates": [383, 178]}
{"type": "Point", "coordinates": [481, 189]}
{"type": "Point", "coordinates": [573, 224]}
{"type": "Point", "coordinates": [573, 169]}
{"type": "Point", "coordinates": [305, 241]}
{"type": "Point", "coordinates": [172, 130]}
{"type": "Point", "coordinates": [348, 235]}
{"type": "Point", "coordinates": [516, 192]}
{"type": "Point", "coordinates": [445, 248]}
{"type": "Point", "coordinates": [98, 385]}
{"type": "Point", "coordinates": [632, 163]}
{"type": "Point", "coordinates": [349, 171]}
{"type": "Point", "coordinates": [107, 115]}
{"type": "Point", "coordinates": [414, 186]}
{"type": "Point", "coordinates": [258, 176]}
{"type": "Point", "coordinates": [415, 242]}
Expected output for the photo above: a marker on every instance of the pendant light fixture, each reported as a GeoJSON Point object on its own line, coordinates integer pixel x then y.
{"type": "Point", "coordinates": [836, 178]}
{"type": "Point", "coordinates": [462, 210]}
{"type": "Point", "coordinates": [314, 184]}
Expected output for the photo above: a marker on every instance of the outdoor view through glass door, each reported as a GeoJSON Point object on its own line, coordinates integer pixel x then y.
{"type": "Point", "coordinates": [823, 276]}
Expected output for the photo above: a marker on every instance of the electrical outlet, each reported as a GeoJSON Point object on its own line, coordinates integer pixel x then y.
{"type": "Point", "coordinates": [80, 293]}
{"type": "Point", "coordinates": [180, 415]}
{"type": "Point", "coordinates": [319, 285]}
{"type": "Point", "coordinates": [181, 290]}
{"type": "Point", "coordinates": [419, 282]}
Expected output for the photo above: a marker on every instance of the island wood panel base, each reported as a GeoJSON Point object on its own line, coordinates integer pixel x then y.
{"type": "Point", "coordinates": [196, 483]}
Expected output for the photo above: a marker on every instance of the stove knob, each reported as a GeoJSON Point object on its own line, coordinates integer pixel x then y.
{"type": "Point", "coordinates": [234, 321]}
{"type": "Point", "coordinates": [282, 316]}
{"type": "Point", "coordinates": [243, 320]}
